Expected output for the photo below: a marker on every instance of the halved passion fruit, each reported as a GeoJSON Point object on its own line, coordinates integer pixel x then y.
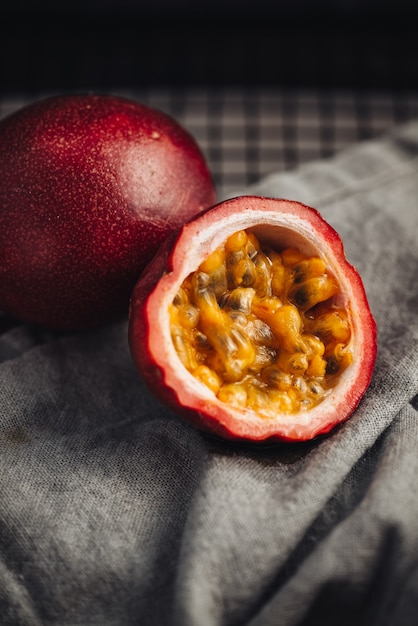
{"type": "Point", "coordinates": [253, 325]}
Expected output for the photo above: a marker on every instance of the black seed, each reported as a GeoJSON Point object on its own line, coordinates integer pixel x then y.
{"type": "Point", "coordinates": [301, 296]}
{"type": "Point", "coordinates": [333, 365]}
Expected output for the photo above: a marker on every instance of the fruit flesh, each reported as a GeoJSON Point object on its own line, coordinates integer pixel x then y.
{"type": "Point", "coordinates": [263, 329]}
{"type": "Point", "coordinates": [278, 224]}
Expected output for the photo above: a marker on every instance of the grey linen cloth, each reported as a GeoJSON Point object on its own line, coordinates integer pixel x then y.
{"type": "Point", "coordinates": [113, 511]}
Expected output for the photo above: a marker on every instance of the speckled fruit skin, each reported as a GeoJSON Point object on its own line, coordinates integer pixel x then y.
{"type": "Point", "coordinates": [282, 223]}
{"type": "Point", "coordinates": [90, 185]}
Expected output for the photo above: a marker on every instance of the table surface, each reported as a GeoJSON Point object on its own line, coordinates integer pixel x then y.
{"type": "Point", "coordinates": [247, 133]}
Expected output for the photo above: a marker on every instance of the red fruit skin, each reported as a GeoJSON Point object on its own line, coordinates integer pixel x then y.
{"type": "Point", "coordinates": [90, 185]}
{"type": "Point", "coordinates": [154, 355]}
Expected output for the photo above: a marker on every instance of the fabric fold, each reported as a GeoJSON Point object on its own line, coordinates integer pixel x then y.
{"type": "Point", "coordinates": [114, 512]}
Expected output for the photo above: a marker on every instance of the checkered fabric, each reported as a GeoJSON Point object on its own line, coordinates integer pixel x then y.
{"type": "Point", "coordinates": [249, 132]}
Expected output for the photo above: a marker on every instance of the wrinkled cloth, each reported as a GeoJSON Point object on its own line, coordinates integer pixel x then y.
{"type": "Point", "coordinates": [114, 512]}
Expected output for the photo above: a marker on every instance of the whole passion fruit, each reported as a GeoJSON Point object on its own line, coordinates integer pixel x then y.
{"type": "Point", "coordinates": [90, 185]}
{"type": "Point", "coordinates": [252, 324]}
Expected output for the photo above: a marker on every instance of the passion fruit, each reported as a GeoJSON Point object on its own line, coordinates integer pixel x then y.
{"type": "Point", "coordinates": [90, 185]}
{"type": "Point", "coordinates": [253, 325]}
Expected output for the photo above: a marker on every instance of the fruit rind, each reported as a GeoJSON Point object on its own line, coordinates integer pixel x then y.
{"type": "Point", "coordinates": [149, 332]}
{"type": "Point", "coordinates": [90, 186]}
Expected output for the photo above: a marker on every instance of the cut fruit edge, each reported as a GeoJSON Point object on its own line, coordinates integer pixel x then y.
{"type": "Point", "coordinates": [279, 223]}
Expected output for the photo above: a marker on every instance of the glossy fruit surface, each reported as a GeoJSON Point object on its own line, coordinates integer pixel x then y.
{"type": "Point", "coordinates": [252, 324]}
{"type": "Point", "coordinates": [90, 185]}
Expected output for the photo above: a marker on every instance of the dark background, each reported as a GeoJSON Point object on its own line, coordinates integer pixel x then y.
{"type": "Point", "coordinates": [102, 44]}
